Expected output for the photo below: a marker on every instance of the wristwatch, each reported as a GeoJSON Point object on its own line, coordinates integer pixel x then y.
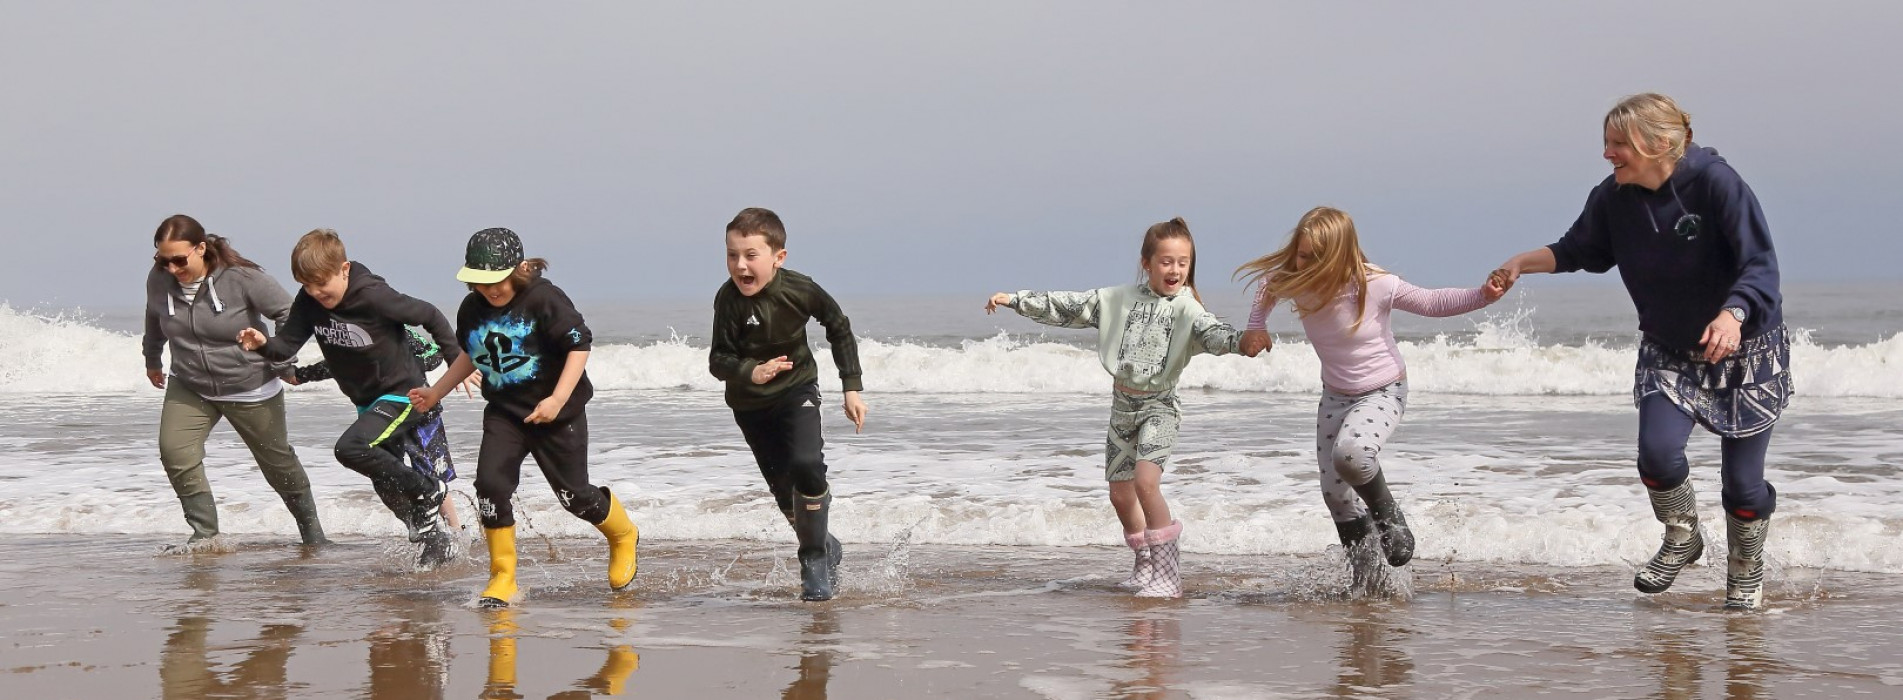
{"type": "Point", "coordinates": [1737, 313]}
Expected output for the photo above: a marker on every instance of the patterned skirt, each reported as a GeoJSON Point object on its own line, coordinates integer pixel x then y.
{"type": "Point", "coordinates": [1739, 396]}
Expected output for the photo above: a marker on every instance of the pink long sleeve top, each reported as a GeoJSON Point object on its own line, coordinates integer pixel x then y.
{"type": "Point", "coordinates": [1367, 359]}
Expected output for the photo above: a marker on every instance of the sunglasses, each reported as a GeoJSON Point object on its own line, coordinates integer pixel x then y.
{"type": "Point", "coordinates": [178, 261]}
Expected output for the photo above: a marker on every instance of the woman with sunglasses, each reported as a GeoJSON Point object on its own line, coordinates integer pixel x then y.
{"type": "Point", "coordinates": [1695, 253]}
{"type": "Point", "coordinates": [199, 295]}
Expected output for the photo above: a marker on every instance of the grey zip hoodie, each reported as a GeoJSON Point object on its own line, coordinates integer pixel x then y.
{"type": "Point", "coordinates": [203, 333]}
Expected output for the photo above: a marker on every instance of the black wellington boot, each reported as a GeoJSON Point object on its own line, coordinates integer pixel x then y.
{"type": "Point", "coordinates": [818, 550]}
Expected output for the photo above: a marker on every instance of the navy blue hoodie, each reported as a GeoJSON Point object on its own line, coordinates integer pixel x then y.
{"type": "Point", "coordinates": [1680, 284]}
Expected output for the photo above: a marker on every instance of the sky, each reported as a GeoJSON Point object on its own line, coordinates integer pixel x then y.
{"type": "Point", "coordinates": [912, 148]}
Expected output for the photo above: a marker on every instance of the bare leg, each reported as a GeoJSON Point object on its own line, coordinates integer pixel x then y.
{"type": "Point", "coordinates": [1149, 492]}
{"type": "Point", "coordinates": [1123, 497]}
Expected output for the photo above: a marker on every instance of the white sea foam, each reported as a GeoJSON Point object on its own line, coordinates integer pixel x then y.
{"type": "Point", "coordinates": [1513, 452]}
{"type": "Point", "coordinates": [41, 354]}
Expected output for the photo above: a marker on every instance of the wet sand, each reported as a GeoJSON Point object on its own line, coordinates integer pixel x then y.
{"type": "Point", "coordinates": [107, 617]}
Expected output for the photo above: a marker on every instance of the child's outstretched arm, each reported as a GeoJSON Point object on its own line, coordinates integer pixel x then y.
{"type": "Point", "coordinates": [1256, 338]}
{"type": "Point", "coordinates": [549, 408]}
{"type": "Point", "coordinates": [1061, 309]}
{"type": "Point", "coordinates": [1216, 336]}
{"type": "Point", "coordinates": [425, 398]}
{"type": "Point", "coordinates": [1440, 303]}
{"type": "Point", "coordinates": [291, 335]}
{"type": "Point", "coordinates": [845, 354]}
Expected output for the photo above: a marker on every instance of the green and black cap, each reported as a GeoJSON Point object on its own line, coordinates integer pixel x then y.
{"type": "Point", "coordinates": [493, 254]}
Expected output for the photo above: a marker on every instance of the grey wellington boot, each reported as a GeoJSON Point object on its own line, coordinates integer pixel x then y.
{"type": "Point", "coordinates": [1677, 508]}
{"type": "Point", "coordinates": [1744, 570]}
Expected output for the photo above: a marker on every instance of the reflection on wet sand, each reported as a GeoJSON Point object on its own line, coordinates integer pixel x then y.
{"type": "Point", "coordinates": [409, 657]}
{"type": "Point", "coordinates": [610, 680]}
{"type": "Point", "coordinates": [1152, 642]}
{"type": "Point", "coordinates": [1371, 654]}
{"type": "Point", "coordinates": [1747, 660]}
{"type": "Point", "coordinates": [186, 671]}
{"type": "Point", "coordinates": [1681, 663]}
{"type": "Point", "coordinates": [816, 657]}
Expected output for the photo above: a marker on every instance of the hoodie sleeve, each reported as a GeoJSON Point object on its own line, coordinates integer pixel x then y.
{"type": "Point", "coordinates": [1215, 336]}
{"type": "Point", "coordinates": [1061, 309]}
{"type": "Point", "coordinates": [1741, 221]}
{"type": "Point", "coordinates": [293, 332]}
{"type": "Point", "coordinates": [1587, 245]}
{"type": "Point", "coordinates": [153, 344]}
{"type": "Point", "coordinates": [566, 330]}
{"type": "Point", "coordinates": [411, 311]}
{"type": "Point", "coordinates": [723, 355]}
{"type": "Point", "coordinates": [263, 295]}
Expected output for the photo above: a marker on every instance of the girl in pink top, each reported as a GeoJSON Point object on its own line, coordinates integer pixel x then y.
{"type": "Point", "coordinates": [1344, 303]}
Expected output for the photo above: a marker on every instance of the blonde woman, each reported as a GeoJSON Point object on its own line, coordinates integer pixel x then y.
{"type": "Point", "coordinates": [1695, 253]}
{"type": "Point", "coordinates": [1344, 303]}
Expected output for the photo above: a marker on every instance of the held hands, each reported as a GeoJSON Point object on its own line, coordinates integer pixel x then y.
{"type": "Point", "coordinates": [422, 399]}
{"type": "Point", "coordinates": [425, 398]}
{"type": "Point", "coordinates": [1256, 342]}
{"type": "Point", "coordinates": [856, 411]}
{"type": "Point", "coordinates": [250, 339]}
{"type": "Point", "coordinates": [156, 377]}
{"type": "Point", "coordinates": [1000, 299]}
{"type": "Point", "coordinates": [1498, 282]}
{"type": "Point", "coordinates": [766, 371]}
{"type": "Point", "coordinates": [1721, 337]}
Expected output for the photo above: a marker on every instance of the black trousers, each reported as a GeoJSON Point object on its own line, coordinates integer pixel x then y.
{"type": "Point", "coordinates": [786, 442]}
{"type": "Point", "coordinates": [372, 447]}
{"type": "Point", "coordinates": [560, 449]}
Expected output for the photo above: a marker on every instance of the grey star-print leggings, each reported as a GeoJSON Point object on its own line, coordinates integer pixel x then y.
{"type": "Point", "coordinates": [1349, 434]}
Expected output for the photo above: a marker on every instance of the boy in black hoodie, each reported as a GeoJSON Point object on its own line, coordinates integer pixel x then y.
{"type": "Point", "coordinates": [359, 323]}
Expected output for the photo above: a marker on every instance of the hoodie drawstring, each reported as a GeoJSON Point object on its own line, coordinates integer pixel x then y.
{"type": "Point", "coordinates": [217, 307]}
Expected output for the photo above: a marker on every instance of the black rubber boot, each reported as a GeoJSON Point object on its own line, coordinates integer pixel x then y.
{"type": "Point", "coordinates": [399, 505]}
{"type": "Point", "coordinates": [818, 550]}
{"type": "Point", "coordinates": [303, 507]}
{"type": "Point", "coordinates": [834, 552]}
{"type": "Point", "coordinates": [1396, 540]}
{"type": "Point", "coordinates": [1364, 561]}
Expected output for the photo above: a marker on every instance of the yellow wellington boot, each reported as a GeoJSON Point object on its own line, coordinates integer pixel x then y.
{"type": "Point", "coordinates": [501, 591]}
{"type": "Point", "coordinates": [622, 538]}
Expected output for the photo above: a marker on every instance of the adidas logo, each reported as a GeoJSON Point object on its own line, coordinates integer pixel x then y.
{"type": "Point", "coordinates": [753, 320]}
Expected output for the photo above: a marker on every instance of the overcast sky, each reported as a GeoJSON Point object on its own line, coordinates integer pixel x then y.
{"type": "Point", "coordinates": [912, 149]}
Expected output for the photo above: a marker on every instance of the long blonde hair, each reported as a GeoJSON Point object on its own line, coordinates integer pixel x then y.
{"type": "Point", "coordinates": [1650, 119]}
{"type": "Point", "coordinates": [1338, 262]}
